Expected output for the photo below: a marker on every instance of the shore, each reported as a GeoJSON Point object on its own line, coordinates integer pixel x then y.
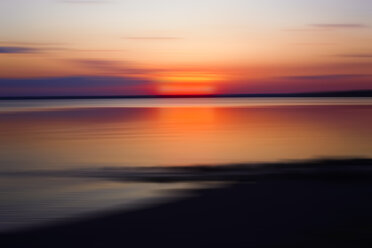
{"type": "Point", "coordinates": [302, 205]}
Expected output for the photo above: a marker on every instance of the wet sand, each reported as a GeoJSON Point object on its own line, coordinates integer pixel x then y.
{"type": "Point", "coordinates": [317, 206]}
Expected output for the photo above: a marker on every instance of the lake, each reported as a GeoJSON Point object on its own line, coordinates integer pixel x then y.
{"type": "Point", "coordinates": [58, 135]}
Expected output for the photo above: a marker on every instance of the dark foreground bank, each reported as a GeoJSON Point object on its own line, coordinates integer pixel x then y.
{"type": "Point", "coordinates": [303, 205]}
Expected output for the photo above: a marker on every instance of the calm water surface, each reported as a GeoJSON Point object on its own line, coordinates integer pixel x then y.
{"type": "Point", "coordinates": [99, 133]}
{"type": "Point", "coordinates": [73, 134]}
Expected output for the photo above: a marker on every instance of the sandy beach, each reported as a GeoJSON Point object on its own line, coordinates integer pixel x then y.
{"type": "Point", "coordinates": [310, 205]}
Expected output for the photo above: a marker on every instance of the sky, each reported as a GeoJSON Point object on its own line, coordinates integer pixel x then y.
{"type": "Point", "coordinates": [182, 47]}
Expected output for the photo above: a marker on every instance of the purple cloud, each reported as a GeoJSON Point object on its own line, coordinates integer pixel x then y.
{"type": "Point", "coordinates": [21, 44]}
{"type": "Point", "coordinates": [16, 50]}
{"type": "Point", "coordinates": [328, 77]}
{"type": "Point", "coordinates": [78, 85]}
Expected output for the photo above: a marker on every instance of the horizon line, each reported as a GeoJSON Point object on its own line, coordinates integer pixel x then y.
{"type": "Point", "coordinates": [350, 93]}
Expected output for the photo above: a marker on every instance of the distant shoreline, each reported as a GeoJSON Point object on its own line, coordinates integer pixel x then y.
{"type": "Point", "coordinates": [348, 94]}
{"type": "Point", "coordinates": [328, 167]}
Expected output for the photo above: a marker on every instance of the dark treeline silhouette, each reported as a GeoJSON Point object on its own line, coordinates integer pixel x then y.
{"type": "Point", "coordinates": [356, 93]}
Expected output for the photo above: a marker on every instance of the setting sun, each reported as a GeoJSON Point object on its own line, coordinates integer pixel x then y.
{"type": "Point", "coordinates": [187, 84]}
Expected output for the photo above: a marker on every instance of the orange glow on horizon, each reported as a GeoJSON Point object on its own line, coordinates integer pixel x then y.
{"type": "Point", "coordinates": [187, 84]}
{"type": "Point", "coordinates": [186, 89]}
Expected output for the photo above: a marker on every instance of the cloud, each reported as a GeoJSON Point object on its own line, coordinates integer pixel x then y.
{"type": "Point", "coordinates": [17, 43]}
{"type": "Point", "coordinates": [152, 38]}
{"type": "Point", "coordinates": [73, 81]}
{"type": "Point", "coordinates": [328, 77]}
{"type": "Point", "coordinates": [314, 44]}
{"type": "Point", "coordinates": [86, 1]}
{"type": "Point", "coordinates": [328, 27]}
{"type": "Point", "coordinates": [96, 50]}
{"type": "Point", "coordinates": [297, 29]}
{"type": "Point", "coordinates": [17, 50]}
{"type": "Point", "coordinates": [105, 65]}
{"type": "Point", "coordinates": [338, 25]}
{"type": "Point", "coordinates": [356, 55]}
{"type": "Point", "coordinates": [77, 85]}
{"type": "Point", "coordinates": [111, 66]}
{"type": "Point", "coordinates": [16, 47]}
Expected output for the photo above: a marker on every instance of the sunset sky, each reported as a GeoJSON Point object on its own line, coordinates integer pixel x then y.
{"type": "Point", "coordinates": [140, 47]}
